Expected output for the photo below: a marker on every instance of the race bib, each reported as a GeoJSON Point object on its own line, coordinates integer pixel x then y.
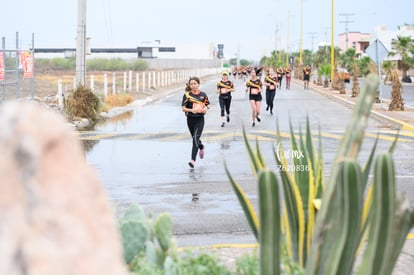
{"type": "Point", "coordinates": [254, 91]}
{"type": "Point", "coordinates": [224, 90]}
{"type": "Point", "coordinates": [198, 107]}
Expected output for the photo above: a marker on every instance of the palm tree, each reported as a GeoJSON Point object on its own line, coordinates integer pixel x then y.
{"type": "Point", "coordinates": [319, 59]}
{"type": "Point", "coordinates": [364, 65]}
{"type": "Point", "coordinates": [397, 102]}
{"type": "Point", "coordinates": [325, 71]}
{"type": "Point", "coordinates": [402, 46]}
{"type": "Point", "coordinates": [347, 59]}
{"type": "Point", "coordinates": [388, 67]}
{"type": "Point", "coordinates": [355, 82]}
{"type": "Point", "coordinates": [307, 57]}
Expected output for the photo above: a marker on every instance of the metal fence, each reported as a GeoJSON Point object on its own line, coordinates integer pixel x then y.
{"type": "Point", "coordinates": [13, 84]}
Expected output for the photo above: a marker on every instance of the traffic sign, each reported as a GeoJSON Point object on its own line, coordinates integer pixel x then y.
{"type": "Point", "coordinates": [377, 51]}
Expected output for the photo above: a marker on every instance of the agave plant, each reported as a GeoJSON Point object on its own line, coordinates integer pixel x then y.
{"type": "Point", "coordinates": [329, 243]}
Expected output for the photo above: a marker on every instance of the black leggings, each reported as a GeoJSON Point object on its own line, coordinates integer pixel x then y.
{"type": "Point", "coordinates": [270, 96]}
{"type": "Point", "coordinates": [225, 101]}
{"type": "Point", "coordinates": [280, 81]}
{"type": "Point", "coordinates": [196, 126]}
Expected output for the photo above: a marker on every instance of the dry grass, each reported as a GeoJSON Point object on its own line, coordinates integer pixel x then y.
{"type": "Point", "coordinates": [117, 100]}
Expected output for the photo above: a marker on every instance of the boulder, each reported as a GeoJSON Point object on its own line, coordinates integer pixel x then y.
{"type": "Point", "coordinates": [55, 217]}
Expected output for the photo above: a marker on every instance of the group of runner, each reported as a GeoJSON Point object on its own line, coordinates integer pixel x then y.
{"type": "Point", "coordinates": [195, 103]}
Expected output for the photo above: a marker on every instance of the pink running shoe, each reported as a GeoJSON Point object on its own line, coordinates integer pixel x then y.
{"type": "Point", "coordinates": [201, 153]}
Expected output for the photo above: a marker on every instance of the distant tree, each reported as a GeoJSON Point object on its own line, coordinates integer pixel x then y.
{"type": "Point", "coordinates": [325, 71]}
{"type": "Point", "coordinates": [307, 57]}
{"type": "Point", "coordinates": [388, 66]}
{"type": "Point", "coordinates": [347, 59]}
{"type": "Point", "coordinates": [233, 61]}
{"type": "Point", "coordinates": [320, 57]}
{"type": "Point", "coordinates": [403, 46]}
{"type": "Point", "coordinates": [245, 62]}
{"type": "Point", "coordinates": [364, 65]}
{"type": "Point", "coordinates": [272, 60]}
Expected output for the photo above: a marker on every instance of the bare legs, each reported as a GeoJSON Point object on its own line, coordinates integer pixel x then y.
{"type": "Point", "coordinates": [255, 105]}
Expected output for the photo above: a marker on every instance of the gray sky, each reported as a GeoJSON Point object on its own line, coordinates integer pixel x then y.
{"type": "Point", "coordinates": [249, 26]}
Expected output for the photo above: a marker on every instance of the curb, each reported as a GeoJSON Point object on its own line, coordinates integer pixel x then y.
{"type": "Point", "coordinates": [401, 125]}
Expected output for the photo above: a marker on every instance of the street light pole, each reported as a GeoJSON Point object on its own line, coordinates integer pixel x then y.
{"type": "Point", "coordinates": [287, 40]}
{"type": "Point", "coordinates": [81, 43]}
{"type": "Point", "coordinates": [332, 42]}
{"type": "Point", "coordinates": [301, 31]}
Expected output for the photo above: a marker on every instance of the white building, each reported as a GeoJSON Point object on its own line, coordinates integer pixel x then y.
{"type": "Point", "coordinates": [386, 37]}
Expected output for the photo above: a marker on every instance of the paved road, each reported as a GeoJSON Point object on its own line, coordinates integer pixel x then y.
{"type": "Point", "coordinates": [407, 92]}
{"type": "Point", "coordinates": [143, 159]}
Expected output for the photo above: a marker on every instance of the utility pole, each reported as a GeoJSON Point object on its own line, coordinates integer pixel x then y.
{"type": "Point", "coordinates": [276, 34]}
{"type": "Point", "coordinates": [346, 21]}
{"type": "Point", "coordinates": [312, 35]}
{"type": "Point", "coordinates": [326, 35]}
{"type": "Point", "coordinates": [81, 44]}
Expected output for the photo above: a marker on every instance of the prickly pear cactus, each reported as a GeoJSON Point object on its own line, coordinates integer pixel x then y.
{"type": "Point", "coordinates": [164, 231]}
{"type": "Point", "coordinates": [134, 212]}
{"type": "Point", "coordinates": [134, 234]}
{"type": "Point", "coordinates": [142, 236]}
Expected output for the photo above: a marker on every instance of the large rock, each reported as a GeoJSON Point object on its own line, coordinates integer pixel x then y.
{"type": "Point", "coordinates": [55, 217]}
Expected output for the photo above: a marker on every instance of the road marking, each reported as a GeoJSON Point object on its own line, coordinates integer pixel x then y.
{"type": "Point", "coordinates": [260, 135]}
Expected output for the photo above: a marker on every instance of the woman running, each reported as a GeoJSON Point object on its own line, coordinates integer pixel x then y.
{"type": "Point", "coordinates": [306, 77]}
{"type": "Point", "coordinates": [224, 88]}
{"type": "Point", "coordinates": [254, 87]}
{"type": "Point", "coordinates": [288, 77]}
{"type": "Point", "coordinates": [270, 81]}
{"type": "Point", "coordinates": [280, 72]}
{"type": "Point", "coordinates": [195, 105]}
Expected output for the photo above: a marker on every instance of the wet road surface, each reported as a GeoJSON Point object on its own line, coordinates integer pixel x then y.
{"type": "Point", "coordinates": [143, 159]}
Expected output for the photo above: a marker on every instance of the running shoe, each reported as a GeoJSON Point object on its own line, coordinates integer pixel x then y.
{"type": "Point", "coordinates": [222, 124]}
{"type": "Point", "coordinates": [201, 153]}
{"type": "Point", "coordinates": [191, 163]}
{"type": "Point", "coordinates": [253, 124]}
{"type": "Point", "coordinates": [228, 118]}
{"type": "Point", "coordinates": [258, 119]}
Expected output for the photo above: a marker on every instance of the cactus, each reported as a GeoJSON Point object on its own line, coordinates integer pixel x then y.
{"type": "Point", "coordinates": [391, 221]}
{"type": "Point", "coordinates": [350, 196]}
{"type": "Point", "coordinates": [170, 268]}
{"type": "Point", "coordinates": [164, 231]}
{"type": "Point", "coordinates": [269, 223]}
{"type": "Point", "coordinates": [301, 188]}
{"type": "Point", "coordinates": [349, 148]}
{"type": "Point", "coordinates": [134, 234]}
{"type": "Point", "coordinates": [134, 211]}
{"type": "Point", "coordinates": [138, 231]}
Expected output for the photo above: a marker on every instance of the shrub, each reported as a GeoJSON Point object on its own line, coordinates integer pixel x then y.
{"type": "Point", "coordinates": [82, 103]}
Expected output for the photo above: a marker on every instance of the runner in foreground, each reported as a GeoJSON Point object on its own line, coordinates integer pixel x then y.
{"type": "Point", "coordinates": [195, 105]}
